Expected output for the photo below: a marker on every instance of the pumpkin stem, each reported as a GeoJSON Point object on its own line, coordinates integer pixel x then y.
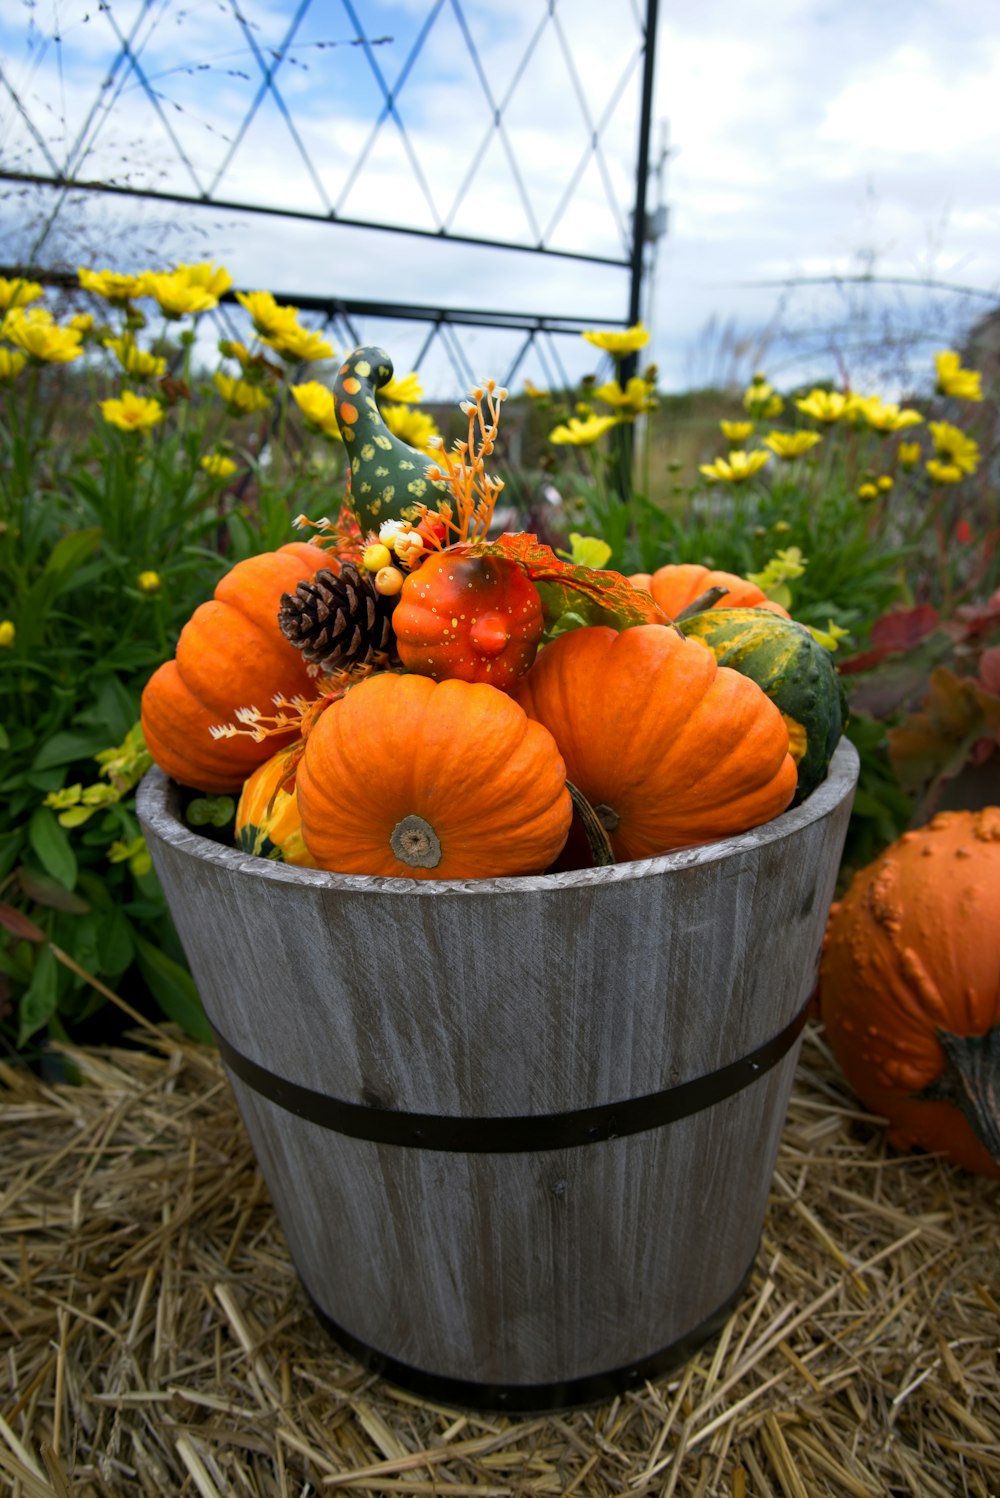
{"type": "Point", "coordinates": [699, 605]}
{"type": "Point", "coordinates": [600, 844]}
{"type": "Point", "coordinates": [971, 1080]}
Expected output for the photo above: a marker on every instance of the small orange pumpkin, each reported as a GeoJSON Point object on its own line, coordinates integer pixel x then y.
{"type": "Point", "coordinates": [668, 747]}
{"type": "Point", "coordinates": [680, 583]}
{"type": "Point", "coordinates": [408, 777]}
{"type": "Point", "coordinates": [909, 987]}
{"type": "Point", "coordinates": [468, 619]}
{"type": "Point", "coordinates": [231, 654]}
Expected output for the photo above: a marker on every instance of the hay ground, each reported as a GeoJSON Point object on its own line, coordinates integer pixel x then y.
{"type": "Point", "coordinates": [154, 1339]}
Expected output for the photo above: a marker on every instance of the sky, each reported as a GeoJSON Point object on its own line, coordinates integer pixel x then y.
{"type": "Point", "coordinates": [798, 142]}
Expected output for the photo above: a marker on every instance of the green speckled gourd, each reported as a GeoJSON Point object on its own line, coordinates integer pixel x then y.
{"type": "Point", "coordinates": [795, 672]}
{"type": "Point", "coordinates": [387, 476]}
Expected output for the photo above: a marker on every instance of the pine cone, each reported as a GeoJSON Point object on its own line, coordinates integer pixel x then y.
{"type": "Point", "coordinates": [339, 619]}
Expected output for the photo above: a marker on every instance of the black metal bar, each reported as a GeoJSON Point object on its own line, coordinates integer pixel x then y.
{"type": "Point", "coordinates": [306, 215]}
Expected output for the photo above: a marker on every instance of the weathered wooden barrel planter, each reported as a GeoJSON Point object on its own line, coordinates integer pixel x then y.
{"type": "Point", "coordinates": [519, 1132]}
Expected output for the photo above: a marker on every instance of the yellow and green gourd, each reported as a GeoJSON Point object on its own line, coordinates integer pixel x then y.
{"type": "Point", "coordinates": [387, 476]}
{"type": "Point", "coordinates": [268, 821]}
{"type": "Point", "coordinates": [795, 672]}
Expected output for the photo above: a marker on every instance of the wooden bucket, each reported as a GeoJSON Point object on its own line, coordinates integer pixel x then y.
{"type": "Point", "coordinates": [519, 1132]}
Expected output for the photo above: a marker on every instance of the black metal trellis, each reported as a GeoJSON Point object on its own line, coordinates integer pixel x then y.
{"type": "Point", "coordinates": [64, 171]}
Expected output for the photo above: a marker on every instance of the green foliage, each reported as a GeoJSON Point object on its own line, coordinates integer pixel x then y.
{"type": "Point", "coordinates": [109, 539]}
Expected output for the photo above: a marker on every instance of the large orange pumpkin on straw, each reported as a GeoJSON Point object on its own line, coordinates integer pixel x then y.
{"type": "Point", "coordinates": [909, 987]}
{"type": "Point", "coordinates": [231, 654]}
{"type": "Point", "coordinates": [680, 583]}
{"type": "Point", "coordinates": [412, 778]}
{"type": "Point", "coordinates": [668, 747]}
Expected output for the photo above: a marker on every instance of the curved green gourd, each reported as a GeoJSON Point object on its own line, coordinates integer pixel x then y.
{"type": "Point", "coordinates": [387, 476]}
{"type": "Point", "coordinates": [796, 673]}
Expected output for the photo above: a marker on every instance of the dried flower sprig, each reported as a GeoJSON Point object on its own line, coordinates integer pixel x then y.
{"type": "Point", "coordinates": [292, 714]}
{"type": "Point", "coordinates": [474, 492]}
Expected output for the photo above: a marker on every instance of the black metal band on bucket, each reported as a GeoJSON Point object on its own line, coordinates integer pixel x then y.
{"type": "Point", "coordinates": [521, 1132]}
{"type": "Point", "coordinates": [523, 1399]}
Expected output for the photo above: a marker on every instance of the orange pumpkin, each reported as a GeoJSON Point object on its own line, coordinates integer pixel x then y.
{"type": "Point", "coordinates": [679, 584]}
{"type": "Point", "coordinates": [468, 618]}
{"type": "Point", "coordinates": [669, 748]}
{"type": "Point", "coordinates": [408, 777]}
{"type": "Point", "coordinates": [910, 987]}
{"type": "Point", "coordinates": [231, 654]}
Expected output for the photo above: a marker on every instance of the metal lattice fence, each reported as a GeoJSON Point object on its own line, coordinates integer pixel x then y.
{"type": "Point", "coordinates": [437, 168]}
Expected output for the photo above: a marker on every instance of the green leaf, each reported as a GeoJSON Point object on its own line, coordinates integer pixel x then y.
{"type": "Point", "coordinates": [51, 894]}
{"type": "Point", "coordinates": [52, 846]}
{"type": "Point", "coordinates": [115, 946]}
{"type": "Point", "coordinates": [39, 1002]}
{"type": "Point", "coordinates": [4, 738]}
{"type": "Point", "coordinates": [69, 553]}
{"type": "Point", "coordinates": [174, 990]}
{"type": "Point", "coordinates": [211, 810]}
{"type": "Point", "coordinates": [68, 745]}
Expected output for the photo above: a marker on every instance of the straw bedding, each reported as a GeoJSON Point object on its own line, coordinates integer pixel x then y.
{"type": "Point", "coordinates": [154, 1339]}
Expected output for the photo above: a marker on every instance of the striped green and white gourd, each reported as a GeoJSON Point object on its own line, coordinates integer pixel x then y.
{"type": "Point", "coordinates": [795, 671]}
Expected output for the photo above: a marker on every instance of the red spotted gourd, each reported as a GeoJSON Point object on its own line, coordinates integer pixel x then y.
{"type": "Point", "coordinates": [412, 778]}
{"type": "Point", "coordinates": [795, 672]}
{"type": "Point", "coordinates": [909, 988]}
{"type": "Point", "coordinates": [677, 585]}
{"type": "Point", "coordinates": [669, 748]}
{"type": "Point", "coordinates": [230, 654]}
{"type": "Point", "coordinates": [268, 820]}
{"type": "Point", "coordinates": [468, 618]}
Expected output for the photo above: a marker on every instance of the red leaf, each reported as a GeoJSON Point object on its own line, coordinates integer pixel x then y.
{"type": "Point", "coordinates": [19, 925]}
{"type": "Point", "coordinates": [989, 669]}
{"type": "Point", "coordinates": [903, 628]}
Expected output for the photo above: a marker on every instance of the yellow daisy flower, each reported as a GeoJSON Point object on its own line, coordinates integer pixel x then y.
{"type": "Point", "coordinates": [736, 432]}
{"type": "Point", "coordinates": [736, 469]}
{"type": "Point", "coordinates": [618, 344]}
{"type": "Point", "coordinates": [269, 319]}
{"type": "Point", "coordinates": [134, 360]}
{"type": "Point", "coordinates": [761, 401]}
{"type": "Point", "coordinates": [408, 389]}
{"type": "Point", "coordinates": [317, 405]}
{"type": "Point", "coordinates": [637, 396]}
{"type": "Point", "coordinates": [582, 432]}
{"type": "Point", "coordinates": [885, 418]}
{"type": "Point", "coordinates": [411, 426]}
{"type": "Point", "coordinates": [952, 379]}
{"type": "Point", "coordinates": [148, 582]}
{"type": "Point", "coordinates": [789, 445]}
{"type": "Point", "coordinates": [908, 454]}
{"type": "Point", "coordinates": [11, 363]}
{"type": "Point", "coordinates": [218, 466]}
{"type": "Point", "coordinates": [867, 492]}
{"type": "Point", "coordinates": [214, 279]}
{"type": "Point", "coordinates": [112, 286]}
{"type": "Point", "coordinates": [42, 340]}
{"type": "Point", "coordinates": [826, 405]}
{"type": "Point", "coordinates": [241, 398]}
{"type": "Point", "coordinates": [176, 295]}
{"type": "Point", "coordinates": [956, 445]}
{"type": "Point", "coordinates": [297, 344]}
{"type": "Point", "coordinates": [944, 473]}
{"type": "Point", "coordinates": [8, 633]}
{"type": "Point", "coordinates": [132, 413]}
{"type": "Point", "coordinates": [18, 292]}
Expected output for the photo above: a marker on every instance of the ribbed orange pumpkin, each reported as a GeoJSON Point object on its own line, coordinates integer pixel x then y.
{"type": "Point", "coordinates": [910, 987]}
{"type": "Point", "coordinates": [468, 618]}
{"type": "Point", "coordinates": [680, 583]}
{"type": "Point", "coordinates": [408, 777]}
{"type": "Point", "coordinates": [668, 747]}
{"type": "Point", "coordinates": [231, 654]}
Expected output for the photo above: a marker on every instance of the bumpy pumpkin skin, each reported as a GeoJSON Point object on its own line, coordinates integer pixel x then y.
{"type": "Point", "coordinates": [796, 673]}
{"type": "Point", "coordinates": [669, 748]}
{"type": "Point", "coordinates": [268, 820]}
{"type": "Point", "coordinates": [406, 777]}
{"type": "Point", "coordinates": [231, 654]}
{"type": "Point", "coordinates": [468, 619]}
{"type": "Point", "coordinates": [680, 583]}
{"type": "Point", "coordinates": [912, 950]}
